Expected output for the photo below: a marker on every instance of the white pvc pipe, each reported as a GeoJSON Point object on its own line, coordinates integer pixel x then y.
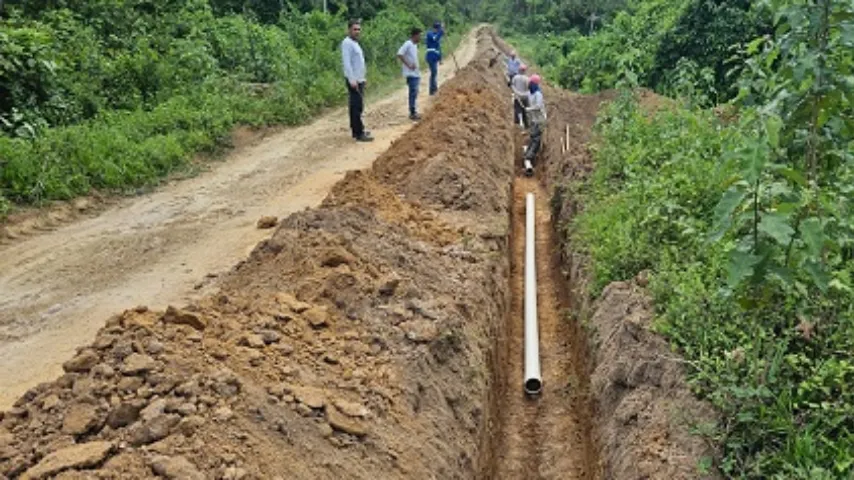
{"type": "Point", "coordinates": [529, 169]}
{"type": "Point", "coordinates": [533, 378]}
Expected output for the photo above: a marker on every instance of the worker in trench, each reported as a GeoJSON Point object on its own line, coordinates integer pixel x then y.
{"type": "Point", "coordinates": [520, 87]}
{"type": "Point", "coordinates": [512, 63]}
{"type": "Point", "coordinates": [434, 54]}
{"type": "Point", "coordinates": [537, 116]}
{"type": "Point", "coordinates": [408, 56]}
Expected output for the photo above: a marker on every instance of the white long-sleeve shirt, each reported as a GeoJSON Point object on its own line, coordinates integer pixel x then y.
{"type": "Point", "coordinates": [354, 60]}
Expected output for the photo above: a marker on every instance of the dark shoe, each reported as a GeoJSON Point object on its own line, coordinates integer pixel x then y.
{"type": "Point", "coordinates": [365, 137]}
{"type": "Point", "coordinates": [415, 117]}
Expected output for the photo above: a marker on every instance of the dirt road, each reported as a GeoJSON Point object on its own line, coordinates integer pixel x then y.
{"type": "Point", "coordinates": [58, 288]}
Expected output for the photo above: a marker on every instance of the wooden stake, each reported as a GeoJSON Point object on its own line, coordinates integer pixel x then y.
{"type": "Point", "coordinates": [567, 137]}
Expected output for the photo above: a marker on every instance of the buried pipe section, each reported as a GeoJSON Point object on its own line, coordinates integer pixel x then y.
{"type": "Point", "coordinates": [533, 377]}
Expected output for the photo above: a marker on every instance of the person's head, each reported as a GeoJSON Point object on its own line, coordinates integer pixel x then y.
{"type": "Point", "coordinates": [512, 53]}
{"type": "Point", "coordinates": [523, 68]}
{"type": "Point", "coordinates": [534, 82]}
{"type": "Point", "coordinates": [437, 25]}
{"type": "Point", "coordinates": [354, 28]}
{"type": "Point", "coordinates": [415, 35]}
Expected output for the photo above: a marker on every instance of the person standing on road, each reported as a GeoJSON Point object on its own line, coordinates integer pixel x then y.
{"type": "Point", "coordinates": [537, 115]}
{"type": "Point", "coordinates": [355, 74]}
{"type": "Point", "coordinates": [434, 54]}
{"type": "Point", "coordinates": [408, 56]}
{"type": "Point", "coordinates": [519, 84]}
{"type": "Point", "coordinates": [513, 65]}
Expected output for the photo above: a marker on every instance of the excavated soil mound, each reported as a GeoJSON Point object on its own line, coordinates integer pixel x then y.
{"type": "Point", "coordinates": [646, 410]}
{"type": "Point", "coordinates": [355, 343]}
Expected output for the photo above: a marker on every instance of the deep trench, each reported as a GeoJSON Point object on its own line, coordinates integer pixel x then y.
{"type": "Point", "coordinates": [549, 436]}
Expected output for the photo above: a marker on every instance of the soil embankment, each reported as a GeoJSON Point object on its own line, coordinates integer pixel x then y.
{"type": "Point", "coordinates": [354, 343]}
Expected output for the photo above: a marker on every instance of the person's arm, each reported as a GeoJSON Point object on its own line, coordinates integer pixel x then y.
{"type": "Point", "coordinates": [346, 55]}
{"type": "Point", "coordinates": [536, 103]}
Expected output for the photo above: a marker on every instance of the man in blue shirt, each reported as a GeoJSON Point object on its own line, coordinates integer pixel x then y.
{"type": "Point", "coordinates": [434, 53]}
{"type": "Point", "coordinates": [513, 63]}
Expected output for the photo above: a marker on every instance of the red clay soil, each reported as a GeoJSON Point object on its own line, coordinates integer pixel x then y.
{"type": "Point", "coordinates": [355, 343]}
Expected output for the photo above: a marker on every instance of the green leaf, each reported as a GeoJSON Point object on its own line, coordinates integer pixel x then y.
{"type": "Point", "coordinates": [812, 234]}
{"type": "Point", "coordinates": [793, 176]}
{"type": "Point", "coordinates": [773, 125]}
{"type": "Point", "coordinates": [731, 199]}
{"type": "Point", "coordinates": [777, 227]}
{"type": "Point", "coordinates": [820, 278]}
{"type": "Point", "coordinates": [741, 266]}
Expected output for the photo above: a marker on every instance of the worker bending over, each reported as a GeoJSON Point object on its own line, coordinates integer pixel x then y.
{"type": "Point", "coordinates": [537, 116]}
{"type": "Point", "coordinates": [434, 54]}
{"type": "Point", "coordinates": [519, 84]}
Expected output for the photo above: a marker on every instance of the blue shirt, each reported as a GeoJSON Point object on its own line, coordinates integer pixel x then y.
{"type": "Point", "coordinates": [513, 65]}
{"type": "Point", "coordinates": [434, 44]}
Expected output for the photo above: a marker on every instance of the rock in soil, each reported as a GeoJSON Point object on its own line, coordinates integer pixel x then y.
{"type": "Point", "coordinates": [175, 468]}
{"type": "Point", "coordinates": [288, 300]}
{"type": "Point", "coordinates": [181, 317]}
{"type": "Point", "coordinates": [317, 317]}
{"type": "Point", "coordinates": [267, 222]}
{"type": "Point", "coordinates": [351, 409]}
{"type": "Point", "coordinates": [82, 362]}
{"type": "Point", "coordinates": [137, 363]}
{"type": "Point", "coordinates": [342, 423]}
{"type": "Point", "coordinates": [80, 419]}
{"type": "Point", "coordinates": [123, 415]}
{"type": "Point", "coordinates": [78, 456]}
{"type": "Point", "coordinates": [310, 397]}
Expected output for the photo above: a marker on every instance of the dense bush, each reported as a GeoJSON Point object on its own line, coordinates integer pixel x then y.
{"type": "Point", "coordinates": [117, 93]}
{"type": "Point", "coordinates": [748, 230]}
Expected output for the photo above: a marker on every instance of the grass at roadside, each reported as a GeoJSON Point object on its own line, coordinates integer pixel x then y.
{"type": "Point", "coordinates": [123, 150]}
{"type": "Point", "coordinates": [773, 355]}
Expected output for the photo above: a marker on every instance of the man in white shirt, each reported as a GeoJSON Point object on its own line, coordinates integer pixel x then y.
{"type": "Point", "coordinates": [408, 56]}
{"type": "Point", "coordinates": [353, 60]}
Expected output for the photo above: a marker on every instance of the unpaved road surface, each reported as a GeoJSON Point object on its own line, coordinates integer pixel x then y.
{"type": "Point", "coordinates": [58, 288]}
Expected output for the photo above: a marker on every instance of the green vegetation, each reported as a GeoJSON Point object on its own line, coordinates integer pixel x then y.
{"type": "Point", "coordinates": [651, 43]}
{"type": "Point", "coordinates": [746, 225]}
{"type": "Point", "coordinates": [115, 94]}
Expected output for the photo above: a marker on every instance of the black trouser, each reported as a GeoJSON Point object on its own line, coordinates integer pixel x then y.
{"type": "Point", "coordinates": [519, 109]}
{"type": "Point", "coordinates": [357, 106]}
{"type": "Point", "coordinates": [534, 142]}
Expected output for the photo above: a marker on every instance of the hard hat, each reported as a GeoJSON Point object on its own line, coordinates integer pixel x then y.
{"type": "Point", "coordinates": [523, 67]}
{"type": "Point", "coordinates": [535, 79]}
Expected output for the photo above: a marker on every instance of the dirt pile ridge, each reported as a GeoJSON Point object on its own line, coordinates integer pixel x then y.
{"type": "Point", "coordinates": [355, 343]}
